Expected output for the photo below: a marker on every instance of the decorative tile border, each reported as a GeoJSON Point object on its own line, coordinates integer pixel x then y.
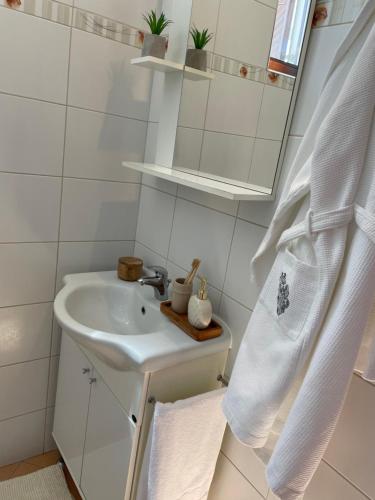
{"type": "Point", "coordinates": [332, 12]}
{"type": "Point", "coordinates": [249, 72]}
{"type": "Point", "coordinates": [51, 10]}
{"type": "Point", "coordinates": [96, 24]}
{"type": "Point", "coordinates": [107, 28]}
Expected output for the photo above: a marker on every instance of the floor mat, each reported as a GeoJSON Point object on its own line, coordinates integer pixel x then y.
{"type": "Point", "coordinates": [45, 484]}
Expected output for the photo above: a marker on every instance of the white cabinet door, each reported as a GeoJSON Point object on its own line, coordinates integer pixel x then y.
{"type": "Point", "coordinates": [108, 447]}
{"type": "Point", "coordinates": [72, 402]}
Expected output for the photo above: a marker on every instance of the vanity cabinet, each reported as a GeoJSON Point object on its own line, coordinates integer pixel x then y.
{"type": "Point", "coordinates": [109, 440]}
{"type": "Point", "coordinates": [102, 416]}
{"type": "Point", "coordinates": [91, 429]}
{"type": "Point", "coordinates": [72, 404]}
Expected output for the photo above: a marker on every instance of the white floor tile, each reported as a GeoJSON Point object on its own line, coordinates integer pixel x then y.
{"type": "Point", "coordinates": [228, 482]}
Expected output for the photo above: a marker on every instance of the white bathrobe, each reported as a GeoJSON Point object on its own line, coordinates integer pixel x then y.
{"type": "Point", "coordinates": [308, 240]}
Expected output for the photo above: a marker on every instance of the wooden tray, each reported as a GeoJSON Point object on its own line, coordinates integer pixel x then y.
{"type": "Point", "coordinates": [181, 320]}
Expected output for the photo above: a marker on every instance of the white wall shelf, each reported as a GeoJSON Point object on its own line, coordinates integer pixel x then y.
{"type": "Point", "coordinates": [166, 66]}
{"type": "Point", "coordinates": [157, 64]}
{"type": "Point", "coordinates": [229, 191]}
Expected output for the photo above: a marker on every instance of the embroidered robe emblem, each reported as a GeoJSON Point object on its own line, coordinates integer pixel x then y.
{"type": "Point", "coordinates": [282, 296]}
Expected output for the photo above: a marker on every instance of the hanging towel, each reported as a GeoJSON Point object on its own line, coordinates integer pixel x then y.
{"type": "Point", "coordinates": [309, 243]}
{"type": "Point", "coordinates": [185, 440]}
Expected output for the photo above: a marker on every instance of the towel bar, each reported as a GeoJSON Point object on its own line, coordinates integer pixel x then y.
{"type": "Point", "coordinates": [220, 378]}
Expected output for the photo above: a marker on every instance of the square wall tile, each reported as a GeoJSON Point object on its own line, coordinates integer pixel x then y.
{"type": "Point", "coordinates": [327, 484]}
{"type": "Point", "coordinates": [102, 78]}
{"type": "Point", "coordinates": [214, 294]}
{"type": "Point", "coordinates": [208, 200]}
{"type": "Point", "coordinates": [98, 210]}
{"type": "Point", "coordinates": [245, 33]}
{"type": "Point", "coordinates": [97, 144]}
{"type": "Point", "coordinates": [246, 241]}
{"type": "Point", "coordinates": [228, 482]}
{"type": "Point", "coordinates": [32, 136]}
{"type": "Point", "coordinates": [193, 103]}
{"type": "Point", "coordinates": [323, 45]}
{"type": "Point", "coordinates": [203, 233]}
{"type": "Point", "coordinates": [265, 160]}
{"type": "Point", "coordinates": [188, 148]}
{"type": "Point", "coordinates": [25, 333]}
{"type": "Point", "coordinates": [87, 257]}
{"type": "Point", "coordinates": [246, 461]}
{"type": "Point", "coordinates": [126, 11]}
{"type": "Point", "coordinates": [52, 380]}
{"type": "Point", "coordinates": [23, 388]}
{"type": "Point", "coordinates": [233, 105]}
{"type": "Point", "coordinates": [38, 68]}
{"type": "Point", "coordinates": [56, 337]}
{"type": "Point", "coordinates": [262, 212]}
{"type": "Point", "coordinates": [149, 257]}
{"type": "Point", "coordinates": [351, 448]}
{"type": "Point", "coordinates": [21, 437]}
{"type": "Point", "coordinates": [49, 442]}
{"type": "Point", "coordinates": [29, 208]}
{"type": "Point", "coordinates": [205, 14]}
{"type": "Point", "coordinates": [155, 220]}
{"type": "Point", "coordinates": [227, 155]}
{"type": "Point", "coordinates": [237, 317]}
{"type": "Point", "coordinates": [274, 113]}
{"type": "Point", "coordinates": [27, 273]}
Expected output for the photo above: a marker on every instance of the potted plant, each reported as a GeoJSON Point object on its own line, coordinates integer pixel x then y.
{"type": "Point", "coordinates": [154, 44]}
{"type": "Point", "coordinates": [197, 58]}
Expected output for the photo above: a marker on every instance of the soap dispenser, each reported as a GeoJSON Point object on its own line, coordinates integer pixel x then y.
{"type": "Point", "coordinates": [200, 307]}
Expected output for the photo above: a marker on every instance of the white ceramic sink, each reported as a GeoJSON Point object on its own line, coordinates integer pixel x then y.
{"type": "Point", "coordinates": [122, 325]}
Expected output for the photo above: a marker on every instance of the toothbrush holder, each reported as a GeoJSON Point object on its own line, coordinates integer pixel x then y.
{"type": "Point", "coordinates": [181, 293]}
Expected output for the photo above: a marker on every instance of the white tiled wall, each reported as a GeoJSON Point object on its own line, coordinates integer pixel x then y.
{"type": "Point", "coordinates": [71, 108]}
{"type": "Point", "coordinates": [177, 224]}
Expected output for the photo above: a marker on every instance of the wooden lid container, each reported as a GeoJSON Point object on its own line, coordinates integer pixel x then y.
{"type": "Point", "coordinates": [129, 268]}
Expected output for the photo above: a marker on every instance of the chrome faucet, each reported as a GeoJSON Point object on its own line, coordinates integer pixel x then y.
{"type": "Point", "coordinates": [159, 282]}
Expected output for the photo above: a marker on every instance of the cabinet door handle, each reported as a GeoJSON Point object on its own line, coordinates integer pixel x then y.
{"type": "Point", "coordinates": [85, 370]}
{"type": "Point", "coordinates": [92, 380]}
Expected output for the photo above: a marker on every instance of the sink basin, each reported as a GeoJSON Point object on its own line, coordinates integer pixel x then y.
{"type": "Point", "coordinates": [121, 323]}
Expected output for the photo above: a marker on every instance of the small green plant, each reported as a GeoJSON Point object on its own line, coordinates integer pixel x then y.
{"type": "Point", "coordinates": [201, 38]}
{"type": "Point", "coordinates": [156, 24]}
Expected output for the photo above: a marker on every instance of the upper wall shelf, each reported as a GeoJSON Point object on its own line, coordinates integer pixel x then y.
{"type": "Point", "coordinates": [166, 66]}
{"type": "Point", "coordinates": [157, 64]}
{"type": "Point", "coordinates": [229, 191]}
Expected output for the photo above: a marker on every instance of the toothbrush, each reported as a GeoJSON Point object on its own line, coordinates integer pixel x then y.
{"type": "Point", "coordinates": [194, 268]}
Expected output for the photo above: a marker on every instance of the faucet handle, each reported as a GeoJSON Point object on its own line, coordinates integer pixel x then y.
{"type": "Point", "coordinates": [160, 271]}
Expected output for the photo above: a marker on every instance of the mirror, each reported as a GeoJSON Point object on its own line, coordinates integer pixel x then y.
{"type": "Point", "coordinates": [223, 128]}
{"type": "Point", "coordinates": [232, 128]}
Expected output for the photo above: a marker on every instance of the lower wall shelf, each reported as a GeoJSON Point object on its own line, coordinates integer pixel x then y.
{"type": "Point", "coordinates": [229, 191]}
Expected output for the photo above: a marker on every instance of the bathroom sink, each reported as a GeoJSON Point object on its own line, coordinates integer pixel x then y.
{"type": "Point", "coordinates": [121, 323]}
